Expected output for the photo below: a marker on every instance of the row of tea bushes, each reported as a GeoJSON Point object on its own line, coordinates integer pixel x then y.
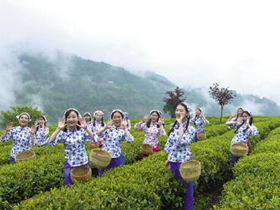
{"type": "Point", "coordinates": [257, 178]}
{"type": "Point", "coordinates": [145, 184]}
{"type": "Point", "coordinates": [50, 161]}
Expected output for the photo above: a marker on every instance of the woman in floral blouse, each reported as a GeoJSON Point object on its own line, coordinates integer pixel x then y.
{"type": "Point", "coordinates": [23, 137]}
{"type": "Point", "coordinates": [198, 121]}
{"type": "Point", "coordinates": [87, 118]}
{"type": "Point", "coordinates": [115, 132]}
{"type": "Point", "coordinates": [73, 132]}
{"type": "Point", "coordinates": [235, 121]}
{"type": "Point", "coordinates": [98, 123]}
{"type": "Point", "coordinates": [41, 131]}
{"type": "Point", "coordinates": [178, 148]}
{"type": "Point", "coordinates": [152, 129]}
{"type": "Point", "coordinates": [243, 132]}
{"type": "Point", "coordinates": [127, 121]}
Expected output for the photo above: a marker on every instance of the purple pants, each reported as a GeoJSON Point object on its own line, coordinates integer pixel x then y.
{"type": "Point", "coordinates": [115, 162]}
{"type": "Point", "coordinates": [67, 174]}
{"type": "Point", "coordinates": [188, 197]}
{"type": "Point", "coordinates": [195, 137]}
{"type": "Point", "coordinates": [12, 159]}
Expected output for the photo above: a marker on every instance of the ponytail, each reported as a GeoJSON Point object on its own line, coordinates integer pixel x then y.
{"type": "Point", "coordinates": [187, 125]}
{"type": "Point", "coordinates": [149, 123]}
{"type": "Point", "coordinates": [172, 127]}
{"type": "Point", "coordinates": [175, 123]}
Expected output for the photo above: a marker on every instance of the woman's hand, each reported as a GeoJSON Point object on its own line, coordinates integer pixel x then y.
{"type": "Point", "coordinates": [248, 121]}
{"type": "Point", "coordinates": [83, 123]}
{"type": "Point", "coordinates": [160, 122]}
{"type": "Point", "coordinates": [123, 125]}
{"type": "Point", "coordinates": [9, 126]}
{"type": "Point", "coordinates": [61, 123]}
{"type": "Point", "coordinates": [167, 164]}
{"type": "Point", "coordinates": [180, 120]}
{"type": "Point", "coordinates": [238, 122]}
{"type": "Point", "coordinates": [33, 129]}
{"type": "Point", "coordinates": [101, 140]}
{"type": "Point", "coordinates": [109, 125]}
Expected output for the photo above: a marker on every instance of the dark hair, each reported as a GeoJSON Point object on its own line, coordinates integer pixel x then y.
{"type": "Point", "coordinates": [43, 119]}
{"type": "Point", "coordinates": [175, 123]}
{"type": "Point", "coordinates": [150, 120]}
{"type": "Point", "coordinates": [195, 117]}
{"type": "Point", "coordinates": [118, 112]}
{"type": "Point", "coordinates": [237, 113]}
{"type": "Point", "coordinates": [88, 115]}
{"type": "Point", "coordinates": [102, 123]}
{"type": "Point", "coordinates": [67, 114]}
{"type": "Point", "coordinates": [250, 123]}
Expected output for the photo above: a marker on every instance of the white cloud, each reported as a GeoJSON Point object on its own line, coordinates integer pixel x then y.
{"type": "Point", "coordinates": [197, 43]}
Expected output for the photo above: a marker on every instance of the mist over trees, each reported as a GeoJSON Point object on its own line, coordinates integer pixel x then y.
{"type": "Point", "coordinates": [55, 83]}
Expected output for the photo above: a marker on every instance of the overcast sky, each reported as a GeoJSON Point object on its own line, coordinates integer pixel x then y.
{"type": "Point", "coordinates": [194, 43]}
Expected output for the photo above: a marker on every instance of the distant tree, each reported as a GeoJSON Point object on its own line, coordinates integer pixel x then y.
{"type": "Point", "coordinates": [10, 116]}
{"type": "Point", "coordinates": [174, 97]}
{"type": "Point", "coordinates": [222, 96]}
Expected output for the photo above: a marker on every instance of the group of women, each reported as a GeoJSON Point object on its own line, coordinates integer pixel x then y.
{"type": "Point", "coordinates": [74, 130]}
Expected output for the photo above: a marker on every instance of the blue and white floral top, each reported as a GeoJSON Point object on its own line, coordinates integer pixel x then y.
{"type": "Point", "coordinates": [40, 139]}
{"type": "Point", "coordinates": [95, 128]}
{"type": "Point", "coordinates": [113, 140]}
{"type": "Point", "coordinates": [74, 142]}
{"type": "Point", "coordinates": [243, 133]}
{"type": "Point", "coordinates": [179, 150]}
{"type": "Point", "coordinates": [89, 125]}
{"type": "Point", "coordinates": [198, 122]}
{"type": "Point", "coordinates": [22, 140]}
{"type": "Point", "coordinates": [128, 124]}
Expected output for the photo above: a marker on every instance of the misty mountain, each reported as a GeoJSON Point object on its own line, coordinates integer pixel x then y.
{"type": "Point", "coordinates": [55, 83]}
{"type": "Point", "coordinates": [62, 81]}
{"type": "Point", "coordinates": [199, 97]}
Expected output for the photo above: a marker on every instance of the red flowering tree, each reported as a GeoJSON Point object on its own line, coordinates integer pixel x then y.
{"type": "Point", "coordinates": [222, 96]}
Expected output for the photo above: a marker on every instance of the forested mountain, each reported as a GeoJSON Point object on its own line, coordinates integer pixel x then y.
{"type": "Point", "coordinates": [55, 83]}
{"type": "Point", "coordinates": [69, 81]}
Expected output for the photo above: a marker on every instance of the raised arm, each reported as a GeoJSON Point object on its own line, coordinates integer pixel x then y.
{"type": "Point", "coordinates": [161, 128]}
{"type": "Point", "coordinates": [33, 130]}
{"type": "Point", "coordinates": [60, 126]}
{"type": "Point", "coordinates": [128, 137]}
{"type": "Point", "coordinates": [8, 132]}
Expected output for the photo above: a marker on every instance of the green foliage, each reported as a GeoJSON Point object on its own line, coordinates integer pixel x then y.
{"type": "Point", "coordinates": [136, 186]}
{"type": "Point", "coordinates": [10, 116]}
{"type": "Point", "coordinates": [24, 179]}
{"type": "Point", "coordinates": [53, 158]}
{"type": "Point", "coordinates": [256, 183]}
{"type": "Point", "coordinates": [147, 179]}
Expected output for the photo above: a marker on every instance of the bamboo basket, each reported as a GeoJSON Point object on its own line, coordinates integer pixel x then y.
{"type": "Point", "coordinates": [100, 158]}
{"type": "Point", "coordinates": [146, 149]}
{"type": "Point", "coordinates": [25, 156]}
{"type": "Point", "coordinates": [81, 173]}
{"type": "Point", "coordinates": [201, 135]}
{"type": "Point", "coordinates": [190, 170]}
{"type": "Point", "coordinates": [239, 149]}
